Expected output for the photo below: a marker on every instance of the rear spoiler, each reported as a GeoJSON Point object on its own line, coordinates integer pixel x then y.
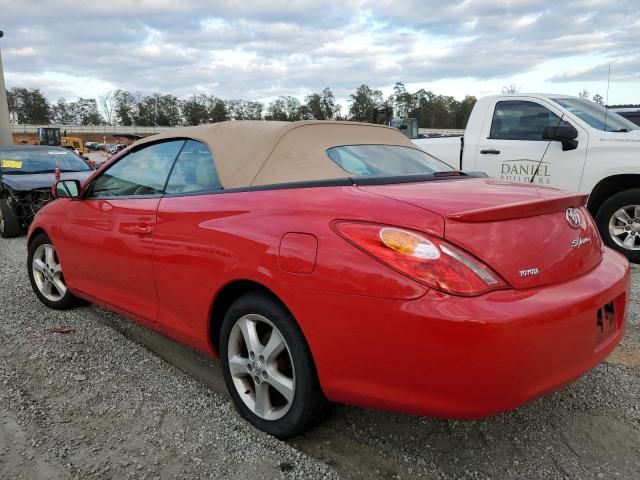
{"type": "Point", "coordinates": [521, 209]}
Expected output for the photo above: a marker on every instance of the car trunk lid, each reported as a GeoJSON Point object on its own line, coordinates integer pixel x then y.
{"type": "Point", "coordinates": [523, 232]}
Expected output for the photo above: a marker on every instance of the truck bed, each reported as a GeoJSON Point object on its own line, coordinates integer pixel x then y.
{"type": "Point", "coordinates": [446, 149]}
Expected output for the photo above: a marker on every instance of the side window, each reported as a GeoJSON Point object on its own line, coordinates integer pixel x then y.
{"type": "Point", "coordinates": [194, 170]}
{"type": "Point", "coordinates": [142, 172]}
{"type": "Point", "coordinates": [518, 120]}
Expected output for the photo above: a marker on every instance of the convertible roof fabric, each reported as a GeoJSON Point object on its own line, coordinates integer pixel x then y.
{"type": "Point", "coordinates": [251, 153]}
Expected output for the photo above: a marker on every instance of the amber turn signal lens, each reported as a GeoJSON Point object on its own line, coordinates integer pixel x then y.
{"type": "Point", "coordinates": [409, 243]}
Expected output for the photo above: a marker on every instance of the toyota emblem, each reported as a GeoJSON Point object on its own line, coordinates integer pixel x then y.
{"type": "Point", "coordinates": [573, 217]}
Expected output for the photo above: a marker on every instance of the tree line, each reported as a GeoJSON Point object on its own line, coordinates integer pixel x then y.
{"type": "Point", "coordinates": [120, 107]}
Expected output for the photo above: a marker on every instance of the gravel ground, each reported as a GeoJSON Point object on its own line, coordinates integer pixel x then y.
{"type": "Point", "coordinates": [111, 399]}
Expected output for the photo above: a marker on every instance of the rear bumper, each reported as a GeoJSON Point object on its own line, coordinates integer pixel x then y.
{"type": "Point", "coordinates": [455, 357]}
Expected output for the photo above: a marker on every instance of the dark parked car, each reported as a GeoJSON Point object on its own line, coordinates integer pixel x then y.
{"type": "Point", "coordinates": [26, 176]}
{"type": "Point", "coordinates": [631, 114]}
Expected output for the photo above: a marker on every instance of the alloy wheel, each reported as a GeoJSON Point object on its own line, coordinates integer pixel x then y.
{"type": "Point", "coordinates": [624, 227]}
{"type": "Point", "coordinates": [47, 273]}
{"type": "Point", "coordinates": [261, 367]}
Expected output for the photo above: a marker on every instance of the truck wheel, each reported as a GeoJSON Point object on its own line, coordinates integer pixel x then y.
{"type": "Point", "coordinates": [618, 220]}
{"type": "Point", "coordinates": [9, 223]}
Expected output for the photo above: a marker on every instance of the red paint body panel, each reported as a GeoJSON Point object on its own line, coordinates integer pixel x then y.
{"type": "Point", "coordinates": [509, 228]}
{"type": "Point", "coordinates": [543, 242]}
{"type": "Point", "coordinates": [460, 357]}
{"type": "Point", "coordinates": [457, 195]}
{"type": "Point", "coordinates": [103, 254]}
{"type": "Point", "coordinates": [409, 348]}
{"type": "Point", "coordinates": [522, 210]}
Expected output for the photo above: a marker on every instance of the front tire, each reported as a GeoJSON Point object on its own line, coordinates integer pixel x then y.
{"type": "Point", "coordinates": [618, 220]}
{"type": "Point", "coordinates": [46, 276]}
{"type": "Point", "coordinates": [268, 368]}
{"type": "Point", "coordinates": [9, 223]}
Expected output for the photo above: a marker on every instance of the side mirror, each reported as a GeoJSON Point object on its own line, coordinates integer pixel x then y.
{"type": "Point", "coordinates": [566, 134]}
{"type": "Point", "coordinates": [66, 189]}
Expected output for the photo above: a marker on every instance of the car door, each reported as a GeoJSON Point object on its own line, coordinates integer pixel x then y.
{"type": "Point", "coordinates": [190, 244]}
{"type": "Point", "coordinates": [513, 148]}
{"type": "Point", "coordinates": [110, 230]}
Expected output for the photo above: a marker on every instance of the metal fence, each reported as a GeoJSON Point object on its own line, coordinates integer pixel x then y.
{"type": "Point", "coordinates": [440, 131]}
{"type": "Point", "coordinates": [138, 130]}
{"type": "Point", "coordinates": [91, 129]}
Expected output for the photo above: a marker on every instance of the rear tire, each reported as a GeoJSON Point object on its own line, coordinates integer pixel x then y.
{"type": "Point", "coordinates": [253, 374]}
{"type": "Point", "coordinates": [46, 276]}
{"type": "Point", "coordinates": [9, 223]}
{"type": "Point", "coordinates": [618, 220]}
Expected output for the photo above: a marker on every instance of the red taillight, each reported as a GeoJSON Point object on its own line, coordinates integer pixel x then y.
{"type": "Point", "coordinates": [427, 259]}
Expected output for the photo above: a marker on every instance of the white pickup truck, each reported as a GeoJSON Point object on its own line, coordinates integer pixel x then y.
{"type": "Point", "coordinates": [558, 141]}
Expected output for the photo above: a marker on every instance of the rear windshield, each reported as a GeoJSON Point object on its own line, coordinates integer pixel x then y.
{"type": "Point", "coordinates": [16, 161]}
{"type": "Point", "coordinates": [387, 160]}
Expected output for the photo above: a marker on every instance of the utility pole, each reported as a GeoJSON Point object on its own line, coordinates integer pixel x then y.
{"type": "Point", "coordinates": [5, 128]}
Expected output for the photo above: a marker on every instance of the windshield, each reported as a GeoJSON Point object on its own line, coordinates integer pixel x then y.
{"type": "Point", "coordinates": [22, 161]}
{"type": "Point", "coordinates": [596, 115]}
{"type": "Point", "coordinates": [387, 160]}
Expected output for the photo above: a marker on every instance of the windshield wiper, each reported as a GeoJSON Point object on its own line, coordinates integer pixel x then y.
{"type": "Point", "coordinates": [621, 130]}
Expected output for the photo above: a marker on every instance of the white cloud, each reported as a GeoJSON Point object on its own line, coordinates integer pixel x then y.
{"type": "Point", "coordinates": [257, 49]}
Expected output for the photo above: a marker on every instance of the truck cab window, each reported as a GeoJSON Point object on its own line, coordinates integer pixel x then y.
{"type": "Point", "coordinates": [521, 120]}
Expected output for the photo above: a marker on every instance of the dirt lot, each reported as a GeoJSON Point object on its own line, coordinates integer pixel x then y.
{"type": "Point", "coordinates": [108, 399]}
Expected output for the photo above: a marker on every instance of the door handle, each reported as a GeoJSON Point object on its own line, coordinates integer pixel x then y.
{"type": "Point", "coordinates": [490, 151]}
{"type": "Point", "coordinates": [142, 230]}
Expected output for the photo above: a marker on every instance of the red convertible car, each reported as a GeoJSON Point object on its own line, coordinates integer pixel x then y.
{"type": "Point", "coordinates": [329, 261]}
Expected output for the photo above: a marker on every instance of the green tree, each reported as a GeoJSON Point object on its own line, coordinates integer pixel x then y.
{"type": "Point", "coordinates": [243, 110]}
{"type": "Point", "coordinates": [218, 110]}
{"type": "Point", "coordinates": [365, 104]}
{"type": "Point", "coordinates": [146, 112]}
{"type": "Point", "coordinates": [158, 109]}
{"type": "Point", "coordinates": [61, 113]}
{"type": "Point", "coordinates": [321, 106]}
{"type": "Point", "coordinates": [29, 106]}
{"type": "Point", "coordinates": [598, 99]}
{"type": "Point", "coordinates": [85, 112]}
{"type": "Point", "coordinates": [463, 111]}
{"type": "Point", "coordinates": [286, 109]}
{"type": "Point", "coordinates": [195, 110]}
{"type": "Point", "coordinates": [124, 107]}
{"type": "Point", "coordinates": [253, 110]}
{"type": "Point", "coordinates": [402, 101]}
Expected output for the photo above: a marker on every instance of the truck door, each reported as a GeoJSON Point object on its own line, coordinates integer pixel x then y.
{"type": "Point", "coordinates": [512, 146]}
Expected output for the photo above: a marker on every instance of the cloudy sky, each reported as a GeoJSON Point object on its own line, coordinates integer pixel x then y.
{"type": "Point", "coordinates": [257, 50]}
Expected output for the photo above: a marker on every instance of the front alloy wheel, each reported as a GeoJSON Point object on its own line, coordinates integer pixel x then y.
{"type": "Point", "coordinates": [47, 273]}
{"type": "Point", "coordinates": [46, 276]}
{"type": "Point", "coordinates": [268, 367]}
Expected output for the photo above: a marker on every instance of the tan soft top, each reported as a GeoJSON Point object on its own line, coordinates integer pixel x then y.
{"type": "Point", "coordinates": [249, 153]}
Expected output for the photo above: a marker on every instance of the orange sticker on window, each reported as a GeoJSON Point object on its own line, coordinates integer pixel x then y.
{"type": "Point", "coordinates": [10, 163]}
